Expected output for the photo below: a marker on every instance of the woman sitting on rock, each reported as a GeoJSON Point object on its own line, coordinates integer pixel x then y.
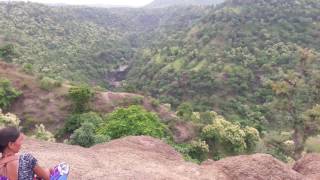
{"type": "Point", "coordinates": [13, 166]}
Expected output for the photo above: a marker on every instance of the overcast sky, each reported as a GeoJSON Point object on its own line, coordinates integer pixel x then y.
{"type": "Point", "coordinates": [135, 3]}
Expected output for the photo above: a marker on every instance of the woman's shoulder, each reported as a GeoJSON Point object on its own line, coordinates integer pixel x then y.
{"type": "Point", "coordinates": [26, 155]}
{"type": "Point", "coordinates": [28, 158]}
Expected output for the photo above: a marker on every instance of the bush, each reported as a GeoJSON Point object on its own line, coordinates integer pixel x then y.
{"type": "Point", "coordinates": [7, 52]}
{"type": "Point", "coordinates": [137, 100]}
{"type": "Point", "coordinates": [80, 95]}
{"type": "Point", "coordinates": [48, 84]}
{"type": "Point", "coordinates": [9, 120]}
{"type": "Point", "coordinates": [85, 136]}
{"type": "Point", "coordinates": [185, 111]}
{"type": "Point", "coordinates": [313, 145]}
{"type": "Point", "coordinates": [74, 122]}
{"type": "Point", "coordinates": [7, 93]}
{"type": "Point", "coordinates": [226, 138]}
{"type": "Point", "coordinates": [42, 134]}
{"type": "Point", "coordinates": [27, 68]}
{"type": "Point", "coordinates": [199, 150]}
{"type": "Point", "coordinates": [132, 121]}
{"type": "Point", "coordinates": [155, 103]}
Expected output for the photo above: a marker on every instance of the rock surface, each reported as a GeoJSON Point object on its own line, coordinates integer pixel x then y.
{"type": "Point", "coordinates": [148, 158]}
{"type": "Point", "coordinates": [309, 165]}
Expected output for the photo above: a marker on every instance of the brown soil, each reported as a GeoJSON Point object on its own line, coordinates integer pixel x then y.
{"type": "Point", "coordinates": [36, 105]}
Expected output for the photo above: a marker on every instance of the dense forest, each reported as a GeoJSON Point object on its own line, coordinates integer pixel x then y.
{"type": "Point", "coordinates": [255, 62]}
{"type": "Point", "coordinates": [168, 3]}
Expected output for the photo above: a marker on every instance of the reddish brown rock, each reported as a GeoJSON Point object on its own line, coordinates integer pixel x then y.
{"type": "Point", "coordinates": [254, 167]}
{"type": "Point", "coordinates": [309, 165]}
{"type": "Point", "coordinates": [149, 158]}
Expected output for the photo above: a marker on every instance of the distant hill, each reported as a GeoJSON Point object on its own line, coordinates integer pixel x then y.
{"type": "Point", "coordinates": [167, 3]}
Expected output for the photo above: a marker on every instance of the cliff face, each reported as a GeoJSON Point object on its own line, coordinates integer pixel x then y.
{"type": "Point", "coordinates": [148, 158]}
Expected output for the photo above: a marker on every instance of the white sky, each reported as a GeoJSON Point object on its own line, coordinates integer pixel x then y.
{"type": "Point", "coordinates": [135, 3]}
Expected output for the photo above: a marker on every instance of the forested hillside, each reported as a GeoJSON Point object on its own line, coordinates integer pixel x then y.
{"type": "Point", "coordinates": [84, 44]}
{"type": "Point", "coordinates": [256, 62]}
{"type": "Point", "coordinates": [229, 59]}
{"type": "Point", "coordinates": [167, 3]}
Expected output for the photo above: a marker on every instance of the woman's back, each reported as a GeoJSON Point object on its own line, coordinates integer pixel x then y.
{"type": "Point", "coordinates": [9, 167]}
{"type": "Point", "coordinates": [19, 168]}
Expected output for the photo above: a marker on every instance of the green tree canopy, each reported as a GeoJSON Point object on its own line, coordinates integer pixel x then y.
{"type": "Point", "coordinates": [133, 120]}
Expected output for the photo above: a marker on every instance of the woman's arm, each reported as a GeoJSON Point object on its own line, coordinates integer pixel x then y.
{"type": "Point", "coordinates": [41, 172]}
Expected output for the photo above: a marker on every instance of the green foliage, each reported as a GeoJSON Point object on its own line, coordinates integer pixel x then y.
{"type": "Point", "coordinates": [74, 121]}
{"type": "Point", "coordinates": [313, 145]}
{"type": "Point", "coordinates": [185, 111]}
{"type": "Point", "coordinates": [226, 138]}
{"type": "Point", "coordinates": [9, 119]}
{"type": "Point", "coordinates": [7, 52]}
{"type": "Point", "coordinates": [27, 68]}
{"type": "Point", "coordinates": [278, 144]}
{"type": "Point", "coordinates": [311, 121]}
{"type": "Point", "coordinates": [42, 134]}
{"type": "Point", "coordinates": [80, 96]}
{"type": "Point", "coordinates": [132, 121]}
{"type": "Point", "coordinates": [85, 136]}
{"type": "Point", "coordinates": [7, 93]}
{"type": "Point", "coordinates": [199, 150]}
{"type": "Point", "coordinates": [49, 84]}
{"type": "Point", "coordinates": [155, 103]}
{"type": "Point", "coordinates": [137, 100]}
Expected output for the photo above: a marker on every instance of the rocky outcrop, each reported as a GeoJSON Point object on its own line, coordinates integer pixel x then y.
{"type": "Point", "coordinates": [148, 158]}
{"type": "Point", "coordinates": [309, 166]}
{"type": "Point", "coordinates": [254, 167]}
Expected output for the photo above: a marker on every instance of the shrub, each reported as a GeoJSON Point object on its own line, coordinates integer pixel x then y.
{"type": "Point", "coordinates": [48, 84]}
{"type": "Point", "coordinates": [137, 100]}
{"type": "Point", "coordinates": [155, 103]}
{"type": "Point", "coordinates": [74, 121]}
{"type": "Point", "coordinates": [7, 93]}
{"type": "Point", "coordinates": [226, 138]}
{"type": "Point", "coordinates": [27, 68]}
{"type": "Point", "coordinates": [9, 120]}
{"type": "Point", "coordinates": [85, 136]}
{"type": "Point", "coordinates": [132, 121]}
{"type": "Point", "coordinates": [185, 111]}
{"type": "Point", "coordinates": [313, 145]}
{"type": "Point", "coordinates": [199, 150]}
{"type": "Point", "coordinates": [42, 134]}
{"type": "Point", "coordinates": [80, 95]}
{"type": "Point", "coordinates": [7, 52]}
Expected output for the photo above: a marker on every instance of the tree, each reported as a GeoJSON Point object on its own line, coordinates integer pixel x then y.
{"type": "Point", "coordinates": [80, 95]}
{"type": "Point", "coordinates": [225, 138]}
{"type": "Point", "coordinates": [295, 98]}
{"type": "Point", "coordinates": [134, 121]}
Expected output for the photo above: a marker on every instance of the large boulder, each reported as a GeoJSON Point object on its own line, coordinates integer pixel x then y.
{"type": "Point", "coordinates": [309, 165]}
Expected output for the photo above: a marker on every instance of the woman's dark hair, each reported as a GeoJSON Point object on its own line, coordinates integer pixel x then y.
{"type": "Point", "coordinates": [8, 134]}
